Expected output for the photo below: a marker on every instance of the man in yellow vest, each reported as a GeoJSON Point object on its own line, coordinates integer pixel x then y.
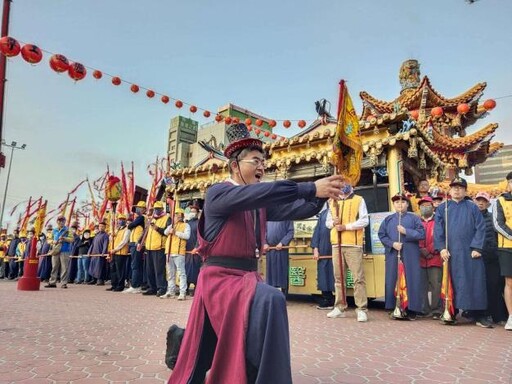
{"type": "Point", "coordinates": [347, 219]}
{"type": "Point", "coordinates": [502, 219]}
{"type": "Point", "coordinates": [175, 249]}
{"type": "Point", "coordinates": [136, 228]}
{"type": "Point", "coordinates": [155, 247]}
{"type": "Point", "coordinates": [120, 255]}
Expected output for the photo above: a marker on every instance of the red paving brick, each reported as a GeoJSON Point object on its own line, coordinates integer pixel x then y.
{"type": "Point", "coordinates": [87, 335]}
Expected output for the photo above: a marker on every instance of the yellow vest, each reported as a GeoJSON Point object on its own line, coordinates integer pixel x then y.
{"type": "Point", "coordinates": [21, 249]}
{"type": "Point", "coordinates": [154, 240]}
{"type": "Point", "coordinates": [3, 249]}
{"type": "Point", "coordinates": [348, 213]}
{"type": "Point", "coordinates": [136, 234]}
{"type": "Point", "coordinates": [503, 242]}
{"type": "Point", "coordinates": [118, 240]}
{"type": "Point", "coordinates": [175, 245]}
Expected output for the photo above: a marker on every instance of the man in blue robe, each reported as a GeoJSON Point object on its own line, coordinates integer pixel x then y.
{"type": "Point", "coordinates": [98, 253]}
{"type": "Point", "coordinates": [400, 234]}
{"type": "Point", "coordinates": [463, 250]}
{"type": "Point", "coordinates": [279, 235]}
{"type": "Point", "coordinates": [321, 244]}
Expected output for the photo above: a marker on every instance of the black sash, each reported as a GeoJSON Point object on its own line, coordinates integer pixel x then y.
{"type": "Point", "coordinates": [250, 265]}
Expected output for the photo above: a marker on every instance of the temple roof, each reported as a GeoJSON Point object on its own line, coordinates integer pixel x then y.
{"type": "Point", "coordinates": [461, 144]}
{"type": "Point", "coordinates": [411, 99]}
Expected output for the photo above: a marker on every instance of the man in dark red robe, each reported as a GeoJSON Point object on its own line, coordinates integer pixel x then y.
{"type": "Point", "coordinates": [238, 325]}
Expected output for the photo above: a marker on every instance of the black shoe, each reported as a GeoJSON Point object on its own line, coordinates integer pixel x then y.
{"type": "Point", "coordinates": [118, 289]}
{"type": "Point", "coordinates": [64, 286]}
{"type": "Point", "coordinates": [100, 282]}
{"type": "Point", "coordinates": [161, 293]}
{"type": "Point", "coordinates": [50, 286]}
{"type": "Point", "coordinates": [484, 322]}
{"type": "Point", "coordinates": [92, 282]}
{"type": "Point", "coordinates": [174, 338]}
{"type": "Point", "coordinates": [149, 293]}
{"type": "Point", "coordinates": [436, 315]}
{"type": "Point", "coordinates": [109, 289]}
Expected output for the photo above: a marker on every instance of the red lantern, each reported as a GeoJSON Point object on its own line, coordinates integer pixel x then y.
{"type": "Point", "coordinates": [116, 80]}
{"type": "Point", "coordinates": [228, 120]}
{"type": "Point", "coordinates": [59, 63]}
{"type": "Point", "coordinates": [9, 46]}
{"type": "Point", "coordinates": [178, 103]}
{"type": "Point", "coordinates": [150, 93]}
{"type": "Point", "coordinates": [165, 99]}
{"type": "Point", "coordinates": [257, 131]}
{"type": "Point", "coordinates": [193, 109]}
{"type": "Point", "coordinates": [248, 121]}
{"type": "Point", "coordinates": [206, 114]}
{"type": "Point", "coordinates": [489, 104]}
{"type": "Point", "coordinates": [463, 108]}
{"type": "Point", "coordinates": [267, 133]}
{"type": "Point", "coordinates": [274, 136]}
{"type": "Point", "coordinates": [249, 128]}
{"type": "Point", "coordinates": [236, 120]}
{"type": "Point", "coordinates": [259, 122]}
{"type": "Point", "coordinates": [415, 114]}
{"type": "Point", "coordinates": [436, 111]}
{"type": "Point", "coordinates": [31, 53]}
{"type": "Point", "coordinates": [77, 71]}
{"type": "Point", "coordinates": [218, 118]}
{"type": "Point", "coordinates": [272, 123]}
{"type": "Point", "coordinates": [97, 74]}
{"type": "Point", "coordinates": [287, 124]}
{"type": "Point", "coordinates": [301, 123]}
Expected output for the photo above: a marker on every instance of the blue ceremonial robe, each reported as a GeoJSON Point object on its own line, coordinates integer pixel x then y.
{"type": "Point", "coordinates": [192, 262]}
{"type": "Point", "coordinates": [73, 263]}
{"type": "Point", "coordinates": [98, 266]}
{"type": "Point", "coordinates": [388, 234]}
{"type": "Point", "coordinates": [322, 240]}
{"type": "Point", "coordinates": [44, 268]}
{"type": "Point", "coordinates": [277, 261]}
{"type": "Point", "coordinates": [466, 232]}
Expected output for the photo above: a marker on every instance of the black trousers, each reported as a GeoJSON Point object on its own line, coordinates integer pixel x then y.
{"type": "Point", "coordinates": [118, 271]}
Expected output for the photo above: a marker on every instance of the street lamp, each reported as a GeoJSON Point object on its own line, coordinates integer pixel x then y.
{"type": "Point", "coordinates": [13, 146]}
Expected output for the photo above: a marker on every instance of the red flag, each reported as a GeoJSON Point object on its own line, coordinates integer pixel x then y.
{"type": "Point", "coordinates": [402, 287]}
{"type": "Point", "coordinates": [447, 289]}
{"type": "Point", "coordinates": [125, 196]}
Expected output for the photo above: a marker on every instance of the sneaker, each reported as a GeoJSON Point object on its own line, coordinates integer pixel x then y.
{"type": "Point", "coordinates": [362, 316]}
{"type": "Point", "coordinates": [335, 313]}
{"type": "Point", "coordinates": [129, 290]}
{"type": "Point", "coordinates": [436, 315]}
{"type": "Point", "coordinates": [64, 286]}
{"type": "Point", "coordinates": [167, 295]}
{"type": "Point", "coordinates": [484, 322]}
{"type": "Point", "coordinates": [508, 326]}
{"type": "Point", "coordinates": [181, 297]}
{"type": "Point", "coordinates": [49, 285]}
{"type": "Point", "coordinates": [324, 307]}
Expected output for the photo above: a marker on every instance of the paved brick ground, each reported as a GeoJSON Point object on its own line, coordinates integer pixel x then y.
{"type": "Point", "coordinates": [87, 335]}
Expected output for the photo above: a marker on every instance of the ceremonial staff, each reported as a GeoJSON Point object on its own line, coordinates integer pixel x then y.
{"type": "Point", "coordinates": [447, 316]}
{"type": "Point", "coordinates": [399, 311]}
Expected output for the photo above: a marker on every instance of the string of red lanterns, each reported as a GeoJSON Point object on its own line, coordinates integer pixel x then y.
{"type": "Point", "coordinates": [59, 63]}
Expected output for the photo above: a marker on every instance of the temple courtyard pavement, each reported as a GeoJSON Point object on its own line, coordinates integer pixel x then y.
{"type": "Point", "coordinates": [84, 334]}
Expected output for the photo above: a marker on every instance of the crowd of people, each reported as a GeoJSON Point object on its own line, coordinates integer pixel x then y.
{"type": "Point", "coordinates": [142, 255]}
{"type": "Point", "coordinates": [471, 238]}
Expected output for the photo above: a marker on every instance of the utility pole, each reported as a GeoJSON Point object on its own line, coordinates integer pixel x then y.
{"type": "Point", "coordinates": [13, 146]}
{"type": "Point", "coordinates": [3, 66]}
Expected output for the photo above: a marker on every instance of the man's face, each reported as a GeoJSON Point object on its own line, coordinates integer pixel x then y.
{"type": "Point", "coordinates": [482, 204]}
{"type": "Point", "coordinates": [426, 209]}
{"type": "Point", "coordinates": [193, 213]}
{"type": "Point", "coordinates": [251, 168]}
{"type": "Point", "coordinates": [178, 217]}
{"type": "Point", "coordinates": [101, 227]}
{"type": "Point", "coordinates": [458, 192]}
{"type": "Point", "coordinates": [400, 205]}
{"type": "Point", "coordinates": [437, 202]}
{"type": "Point", "coordinates": [60, 223]}
{"type": "Point", "coordinates": [423, 186]}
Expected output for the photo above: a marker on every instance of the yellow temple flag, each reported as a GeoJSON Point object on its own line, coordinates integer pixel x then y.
{"type": "Point", "coordinates": [347, 147]}
{"type": "Point", "coordinates": [41, 215]}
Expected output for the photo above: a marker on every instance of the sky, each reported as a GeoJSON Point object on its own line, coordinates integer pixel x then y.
{"type": "Point", "coordinates": [272, 57]}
